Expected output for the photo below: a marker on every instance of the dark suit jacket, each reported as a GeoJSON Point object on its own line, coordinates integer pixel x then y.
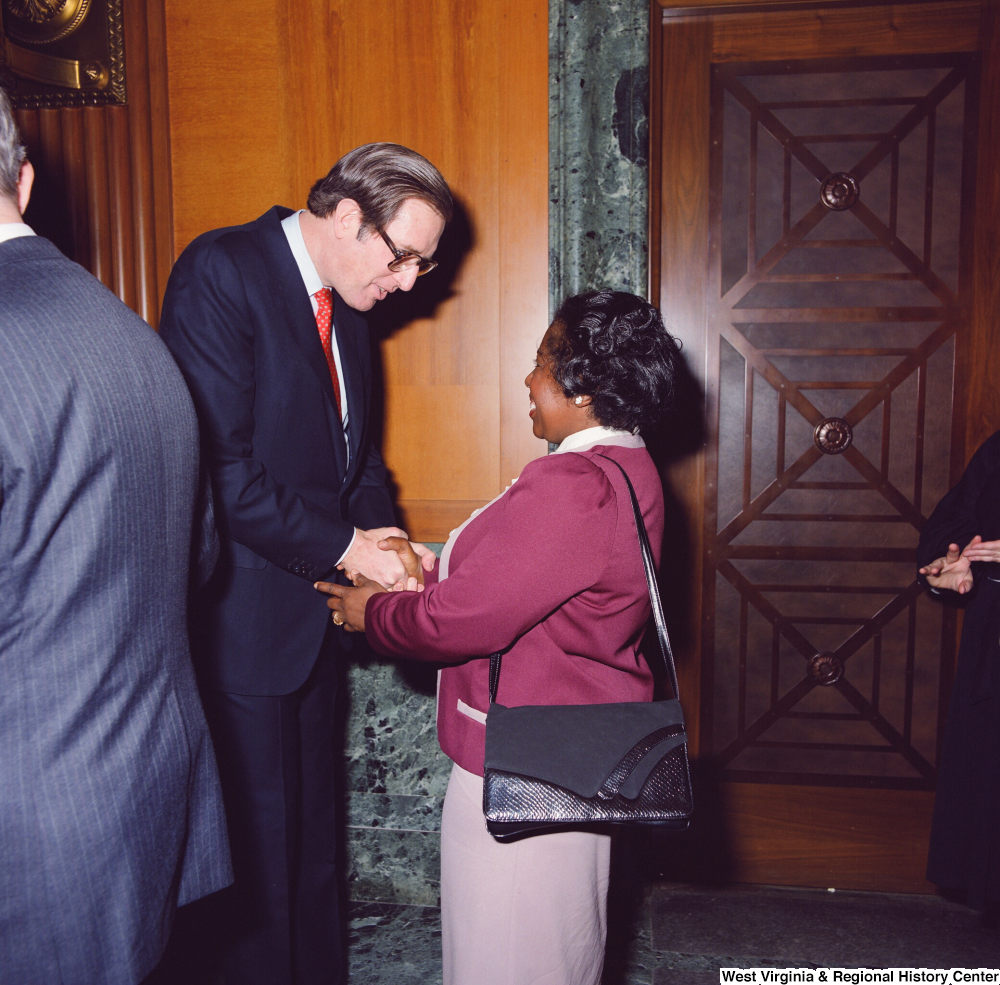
{"type": "Point", "coordinates": [552, 570]}
{"type": "Point", "coordinates": [240, 325]}
{"type": "Point", "coordinates": [110, 809]}
{"type": "Point", "coordinates": [965, 834]}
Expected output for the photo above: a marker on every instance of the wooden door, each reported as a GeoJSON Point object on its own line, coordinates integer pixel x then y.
{"type": "Point", "coordinates": [819, 269]}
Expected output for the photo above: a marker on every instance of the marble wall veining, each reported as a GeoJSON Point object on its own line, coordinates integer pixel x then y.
{"type": "Point", "coordinates": [395, 773]}
{"type": "Point", "coordinates": [395, 777]}
{"type": "Point", "coordinates": [598, 146]}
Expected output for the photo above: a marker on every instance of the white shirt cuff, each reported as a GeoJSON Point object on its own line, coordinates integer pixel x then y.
{"type": "Point", "coordinates": [349, 546]}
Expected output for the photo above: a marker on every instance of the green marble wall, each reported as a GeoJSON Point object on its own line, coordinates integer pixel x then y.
{"type": "Point", "coordinates": [395, 778]}
{"type": "Point", "coordinates": [598, 146]}
{"type": "Point", "coordinates": [395, 774]}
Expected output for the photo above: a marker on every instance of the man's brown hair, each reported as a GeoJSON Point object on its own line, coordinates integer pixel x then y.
{"type": "Point", "coordinates": [380, 177]}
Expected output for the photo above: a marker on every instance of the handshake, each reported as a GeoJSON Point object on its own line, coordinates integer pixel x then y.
{"type": "Point", "coordinates": [386, 556]}
{"type": "Point", "coordinates": [379, 560]}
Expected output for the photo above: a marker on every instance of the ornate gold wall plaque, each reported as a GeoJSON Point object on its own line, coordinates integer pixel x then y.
{"type": "Point", "coordinates": [63, 52]}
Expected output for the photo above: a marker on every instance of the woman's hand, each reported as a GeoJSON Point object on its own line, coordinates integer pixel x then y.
{"type": "Point", "coordinates": [953, 571]}
{"type": "Point", "coordinates": [415, 557]}
{"type": "Point", "coordinates": [347, 603]}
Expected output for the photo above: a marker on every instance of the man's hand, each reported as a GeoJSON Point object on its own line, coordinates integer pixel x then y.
{"type": "Point", "coordinates": [953, 571]}
{"type": "Point", "coordinates": [381, 566]}
{"type": "Point", "coordinates": [416, 559]}
{"type": "Point", "coordinates": [982, 550]}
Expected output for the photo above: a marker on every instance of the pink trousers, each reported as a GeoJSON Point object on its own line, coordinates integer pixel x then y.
{"type": "Point", "coordinates": [533, 912]}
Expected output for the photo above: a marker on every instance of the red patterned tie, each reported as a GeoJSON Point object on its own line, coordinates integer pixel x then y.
{"type": "Point", "coordinates": [324, 317]}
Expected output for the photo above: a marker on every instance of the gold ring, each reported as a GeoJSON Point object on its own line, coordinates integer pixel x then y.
{"type": "Point", "coordinates": [338, 619]}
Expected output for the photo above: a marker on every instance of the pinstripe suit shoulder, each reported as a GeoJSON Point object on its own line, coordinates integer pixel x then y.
{"type": "Point", "coordinates": [110, 813]}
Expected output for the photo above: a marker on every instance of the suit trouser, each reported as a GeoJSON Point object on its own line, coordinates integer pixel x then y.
{"type": "Point", "coordinates": [278, 924]}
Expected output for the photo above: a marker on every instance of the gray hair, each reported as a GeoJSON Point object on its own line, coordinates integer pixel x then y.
{"type": "Point", "coordinates": [11, 149]}
{"type": "Point", "coordinates": [380, 177]}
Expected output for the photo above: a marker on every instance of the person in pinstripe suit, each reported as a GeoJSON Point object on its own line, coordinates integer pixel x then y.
{"type": "Point", "coordinates": [110, 809]}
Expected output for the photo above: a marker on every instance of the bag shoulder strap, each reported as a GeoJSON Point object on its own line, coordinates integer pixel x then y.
{"type": "Point", "coordinates": [663, 639]}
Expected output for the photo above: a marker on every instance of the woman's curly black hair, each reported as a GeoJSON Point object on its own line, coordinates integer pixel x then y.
{"type": "Point", "coordinates": [614, 348]}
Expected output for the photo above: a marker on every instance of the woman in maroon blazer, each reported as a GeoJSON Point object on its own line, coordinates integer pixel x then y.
{"type": "Point", "coordinates": [550, 569]}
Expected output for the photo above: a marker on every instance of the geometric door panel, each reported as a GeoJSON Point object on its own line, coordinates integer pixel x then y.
{"type": "Point", "coordinates": [839, 249]}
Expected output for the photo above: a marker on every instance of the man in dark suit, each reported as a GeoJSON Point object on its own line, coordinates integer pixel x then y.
{"type": "Point", "coordinates": [264, 321]}
{"type": "Point", "coordinates": [110, 807]}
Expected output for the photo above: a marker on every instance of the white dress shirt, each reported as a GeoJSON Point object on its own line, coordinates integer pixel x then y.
{"type": "Point", "coordinates": [11, 230]}
{"type": "Point", "coordinates": [293, 233]}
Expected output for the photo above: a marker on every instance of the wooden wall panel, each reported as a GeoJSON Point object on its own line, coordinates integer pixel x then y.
{"type": "Point", "coordinates": [983, 402]}
{"type": "Point", "coordinates": [523, 219]}
{"type": "Point", "coordinates": [448, 109]}
{"type": "Point", "coordinates": [142, 204]}
{"type": "Point", "coordinates": [98, 171]}
{"type": "Point", "coordinates": [294, 84]}
{"type": "Point", "coordinates": [875, 30]}
{"type": "Point", "coordinates": [680, 253]}
{"type": "Point", "coordinates": [102, 191]}
{"type": "Point", "coordinates": [226, 120]}
{"type": "Point", "coordinates": [877, 842]}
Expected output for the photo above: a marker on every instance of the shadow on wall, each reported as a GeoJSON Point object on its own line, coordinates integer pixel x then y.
{"type": "Point", "coordinates": [405, 307]}
{"type": "Point", "coordinates": [49, 212]}
{"type": "Point", "coordinates": [679, 436]}
{"type": "Point", "coordinates": [702, 854]}
{"type": "Point", "coordinates": [400, 309]}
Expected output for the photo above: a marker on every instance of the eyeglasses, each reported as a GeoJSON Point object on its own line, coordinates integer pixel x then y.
{"type": "Point", "coordinates": [404, 260]}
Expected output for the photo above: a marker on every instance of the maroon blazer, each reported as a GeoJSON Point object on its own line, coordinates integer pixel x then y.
{"type": "Point", "coordinates": [552, 567]}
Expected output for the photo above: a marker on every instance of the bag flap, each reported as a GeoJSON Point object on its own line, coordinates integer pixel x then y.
{"type": "Point", "coordinates": [578, 747]}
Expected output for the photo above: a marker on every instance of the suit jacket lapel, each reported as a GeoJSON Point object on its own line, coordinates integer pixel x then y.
{"type": "Point", "coordinates": [287, 287]}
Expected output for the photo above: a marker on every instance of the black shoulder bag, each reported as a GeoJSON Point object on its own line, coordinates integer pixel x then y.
{"type": "Point", "coordinates": [562, 767]}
